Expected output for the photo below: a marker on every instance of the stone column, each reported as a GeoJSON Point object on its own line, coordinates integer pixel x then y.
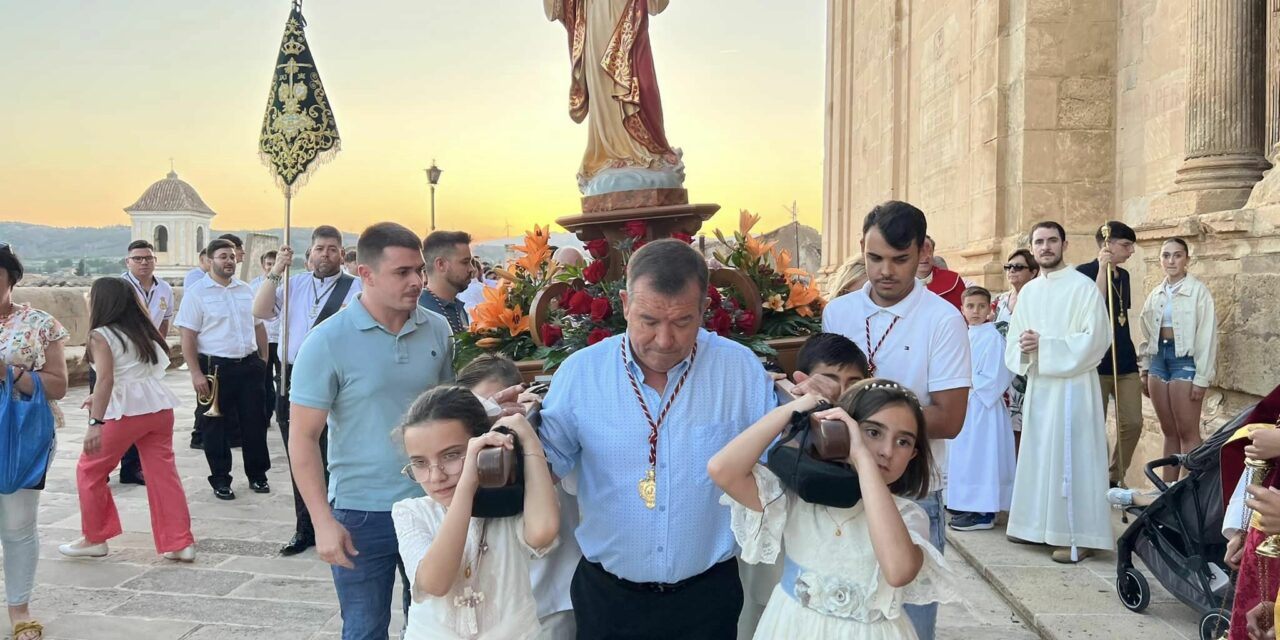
{"type": "Point", "coordinates": [1273, 78]}
{"type": "Point", "coordinates": [1267, 191]}
{"type": "Point", "coordinates": [1226, 127]}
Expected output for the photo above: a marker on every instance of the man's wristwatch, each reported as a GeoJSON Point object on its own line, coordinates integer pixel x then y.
{"type": "Point", "coordinates": [94, 422]}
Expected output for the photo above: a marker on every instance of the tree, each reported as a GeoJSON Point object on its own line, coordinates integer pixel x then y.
{"type": "Point", "coordinates": [81, 270]}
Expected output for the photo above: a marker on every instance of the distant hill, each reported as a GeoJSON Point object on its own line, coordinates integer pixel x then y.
{"type": "Point", "coordinates": [37, 243]}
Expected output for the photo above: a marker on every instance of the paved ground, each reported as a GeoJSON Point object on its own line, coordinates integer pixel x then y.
{"type": "Point", "coordinates": [1070, 602]}
{"type": "Point", "coordinates": [238, 589]}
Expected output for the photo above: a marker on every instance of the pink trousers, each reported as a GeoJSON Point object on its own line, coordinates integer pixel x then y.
{"type": "Point", "coordinates": [153, 434]}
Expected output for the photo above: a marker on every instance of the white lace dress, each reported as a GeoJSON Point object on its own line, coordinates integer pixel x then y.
{"type": "Point", "coordinates": [831, 586]}
{"type": "Point", "coordinates": [506, 611]}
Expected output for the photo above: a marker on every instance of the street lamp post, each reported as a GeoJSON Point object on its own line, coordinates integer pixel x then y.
{"type": "Point", "coordinates": [433, 177]}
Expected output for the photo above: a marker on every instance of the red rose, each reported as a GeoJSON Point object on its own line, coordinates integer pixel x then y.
{"type": "Point", "coordinates": [688, 239]}
{"type": "Point", "coordinates": [566, 298]}
{"type": "Point", "coordinates": [579, 303]}
{"type": "Point", "coordinates": [595, 271]}
{"type": "Point", "coordinates": [721, 322]}
{"type": "Point", "coordinates": [597, 334]}
{"type": "Point", "coordinates": [551, 334]}
{"type": "Point", "coordinates": [635, 246]}
{"type": "Point", "coordinates": [600, 309]}
{"type": "Point", "coordinates": [745, 320]}
{"type": "Point", "coordinates": [714, 294]}
{"type": "Point", "coordinates": [635, 229]}
{"type": "Point", "coordinates": [598, 248]}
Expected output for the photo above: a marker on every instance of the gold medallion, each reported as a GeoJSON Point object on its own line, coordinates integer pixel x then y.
{"type": "Point", "coordinates": [649, 489]}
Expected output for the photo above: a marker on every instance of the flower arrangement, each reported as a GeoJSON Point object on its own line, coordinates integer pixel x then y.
{"type": "Point", "coordinates": [588, 304]}
{"type": "Point", "coordinates": [501, 323]}
{"type": "Point", "coordinates": [791, 304]}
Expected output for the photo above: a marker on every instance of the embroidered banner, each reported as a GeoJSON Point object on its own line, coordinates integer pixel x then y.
{"type": "Point", "coordinates": [298, 130]}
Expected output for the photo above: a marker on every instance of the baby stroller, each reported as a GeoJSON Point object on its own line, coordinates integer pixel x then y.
{"type": "Point", "coordinates": [1179, 537]}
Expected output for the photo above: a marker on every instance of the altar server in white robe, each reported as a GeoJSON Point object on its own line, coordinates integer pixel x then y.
{"type": "Point", "coordinates": [1058, 335]}
{"type": "Point", "coordinates": [981, 460]}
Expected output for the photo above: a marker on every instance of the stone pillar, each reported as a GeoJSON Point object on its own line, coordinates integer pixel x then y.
{"type": "Point", "coordinates": [1226, 127]}
{"type": "Point", "coordinates": [1273, 79]}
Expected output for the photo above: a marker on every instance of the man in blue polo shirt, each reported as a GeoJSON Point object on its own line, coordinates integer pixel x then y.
{"type": "Point", "coordinates": [359, 371]}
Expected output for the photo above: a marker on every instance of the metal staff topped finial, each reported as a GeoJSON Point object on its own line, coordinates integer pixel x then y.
{"type": "Point", "coordinates": [298, 131]}
{"type": "Point", "coordinates": [1111, 317]}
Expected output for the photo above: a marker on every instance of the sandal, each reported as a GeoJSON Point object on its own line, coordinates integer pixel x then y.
{"type": "Point", "coordinates": [28, 630]}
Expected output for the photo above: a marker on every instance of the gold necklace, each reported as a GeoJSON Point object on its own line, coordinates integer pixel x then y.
{"type": "Point", "coordinates": [839, 525]}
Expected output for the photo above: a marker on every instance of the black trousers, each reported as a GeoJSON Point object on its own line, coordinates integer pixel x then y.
{"type": "Point", "coordinates": [130, 463]}
{"type": "Point", "coordinates": [272, 380]}
{"type": "Point", "coordinates": [240, 401]}
{"type": "Point", "coordinates": [704, 607]}
{"type": "Point", "coordinates": [301, 514]}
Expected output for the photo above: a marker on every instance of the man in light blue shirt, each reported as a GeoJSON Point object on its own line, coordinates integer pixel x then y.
{"type": "Point", "coordinates": [360, 370]}
{"type": "Point", "coordinates": [653, 534]}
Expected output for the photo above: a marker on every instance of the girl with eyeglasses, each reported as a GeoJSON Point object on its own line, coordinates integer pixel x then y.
{"type": "Point", "coordinates": [1019, 268]}
{"type": "Point", "coordinates": [469, 577]}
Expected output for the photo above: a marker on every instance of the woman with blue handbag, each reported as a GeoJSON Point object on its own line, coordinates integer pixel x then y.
{"type": "Point", "coordinates": [35, 378]}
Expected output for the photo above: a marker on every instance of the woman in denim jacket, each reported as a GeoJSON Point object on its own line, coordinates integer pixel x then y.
{"type": "Point", "coordinates": [1178, 349]}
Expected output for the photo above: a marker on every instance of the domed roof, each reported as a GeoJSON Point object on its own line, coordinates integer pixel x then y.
{"type": "Point", "coordinates": [170, 194]}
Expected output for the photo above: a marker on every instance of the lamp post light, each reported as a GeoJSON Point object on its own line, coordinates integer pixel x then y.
{"type": "Point", "coordinates": [433, 177]}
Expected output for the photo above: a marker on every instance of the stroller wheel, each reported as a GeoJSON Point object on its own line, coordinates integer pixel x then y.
{"type": "Point", "coordinates": [1134, 592]}
{"type": "Point", "coordinates": [1214, 624]}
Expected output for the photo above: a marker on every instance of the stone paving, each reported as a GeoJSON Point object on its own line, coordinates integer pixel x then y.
{"type": "Point", "coordinates": [238, 588]}
{"type": "Point", "coordinates": [1070, 602]}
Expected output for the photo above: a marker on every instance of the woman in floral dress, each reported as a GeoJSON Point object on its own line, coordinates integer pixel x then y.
{"type": "Point", "coordinates": [30, 346]}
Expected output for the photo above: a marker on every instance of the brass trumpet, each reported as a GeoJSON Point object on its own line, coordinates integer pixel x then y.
{"type": "Point", "coordinates": [211, 400]}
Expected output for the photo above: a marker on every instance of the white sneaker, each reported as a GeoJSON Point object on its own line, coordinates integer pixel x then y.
{"type": "Point", "coordinates": [186, 554]}
{"type": "Point", "coordinates": [83, 549]}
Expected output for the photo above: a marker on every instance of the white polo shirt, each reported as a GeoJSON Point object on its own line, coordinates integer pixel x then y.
{"type": "Point", "coordinates": [927, 349]}
{"type": "Point", "coordinates": [158, 301]}
{"type": "Point", "coordinates": [222, 317]}
{"type": "Point", "coordinates": [307, 296]}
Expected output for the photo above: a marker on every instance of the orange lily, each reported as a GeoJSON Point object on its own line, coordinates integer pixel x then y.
{"type": "Point", "coordinates": [494, 313]}
{"type": "Point", "coordinates": [755, 248]}
{"type": "Point", "coordinates": [801, 296]}
{"type": "Point", "coordinates": [536, 249]}
{"type": "Point", "coordinates": [746, 220]}
{"type": "Point", "coordinates": [485, 317]}
{"type": "Point", "coordinates": [782, 264]}
{"type": "Point", "coordinates": [488, 343]}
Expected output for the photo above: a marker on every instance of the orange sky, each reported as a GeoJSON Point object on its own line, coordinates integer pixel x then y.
{"type": "Point", "coordinates": [99, 96]}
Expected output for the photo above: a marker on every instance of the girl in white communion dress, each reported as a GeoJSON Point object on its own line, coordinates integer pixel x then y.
{"type": "Point", "coordinates": [847, 572]}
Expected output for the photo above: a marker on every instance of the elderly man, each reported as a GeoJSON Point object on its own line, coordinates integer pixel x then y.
{"type": "Point", "coordinates": [638, 416]}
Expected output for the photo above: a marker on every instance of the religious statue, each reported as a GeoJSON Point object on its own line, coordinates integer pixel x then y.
{"type": "Point", "coordinates": [615, 88]}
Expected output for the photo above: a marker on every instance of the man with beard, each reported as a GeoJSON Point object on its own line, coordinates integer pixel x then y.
{"type": "Point", "coordinates": [914, 338]}
{"type": "Point", "coordinates": [221, 337]}
{"type": "Point", "coordinates": [313, 297]}
{"type": "Point", "coordinates": [448, 258]}
{"type": "Point", "coordinates": [1058, 333]}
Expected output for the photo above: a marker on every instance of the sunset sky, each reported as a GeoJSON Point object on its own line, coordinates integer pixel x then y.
{"type": "Point", "coordinates": [98, 96]}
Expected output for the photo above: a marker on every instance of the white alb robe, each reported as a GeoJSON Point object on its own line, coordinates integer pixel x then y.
{"type": "Point", "coordinates": [981, 459]}
{"type": "Point", "coordinates": [1059, 490]}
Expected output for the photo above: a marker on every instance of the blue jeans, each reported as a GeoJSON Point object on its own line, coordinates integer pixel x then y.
{"type": "Point", "coordinates": [925, 617]}
{"type": "Point", "coordinates": [364, 592]}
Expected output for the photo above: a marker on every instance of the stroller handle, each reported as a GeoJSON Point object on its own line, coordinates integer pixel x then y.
{"type": "Point", "coordinates": [1168, 461]}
